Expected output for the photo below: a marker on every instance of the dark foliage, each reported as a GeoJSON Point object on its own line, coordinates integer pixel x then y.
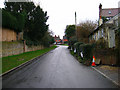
{"type": "Point", "coordinates": [26, 17]}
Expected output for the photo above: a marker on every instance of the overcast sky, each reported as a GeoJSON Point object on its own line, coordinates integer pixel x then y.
{"type": "Point", "coordinates": [62, 12]}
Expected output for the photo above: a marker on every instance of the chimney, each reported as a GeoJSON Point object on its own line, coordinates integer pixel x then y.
{"type": "Point", "coordinates": [58, 36]}
{"type": "Point", "coordinates": [100, 14]}
{"type": "Point", "coordinates": [100, 10]}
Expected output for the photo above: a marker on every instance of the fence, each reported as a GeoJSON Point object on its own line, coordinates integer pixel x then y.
{"type": "Point", "coordinates": [108, 56]}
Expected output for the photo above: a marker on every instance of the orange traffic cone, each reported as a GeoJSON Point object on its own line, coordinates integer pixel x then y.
{"type": "Point", "coordinates": [93, 62]}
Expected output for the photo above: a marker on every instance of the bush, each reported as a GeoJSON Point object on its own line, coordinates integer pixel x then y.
{"type": "Point", "coordinates": [76, 45]}
{"type": "Point", "coordinates": [72, 41]}
{"type": "Point", "coordinates": [87, 50]}
{"type": "Point", "coordinates": [8, 20]}
{"type": "Point", "coordinates": [14, 21]}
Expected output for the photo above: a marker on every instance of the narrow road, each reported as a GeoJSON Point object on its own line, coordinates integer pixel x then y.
{"type": "Point", "coordinates": [56, 69]}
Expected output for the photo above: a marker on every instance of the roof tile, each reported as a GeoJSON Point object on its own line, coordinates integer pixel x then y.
{"type": "Point", "coordinates": [110, 12]}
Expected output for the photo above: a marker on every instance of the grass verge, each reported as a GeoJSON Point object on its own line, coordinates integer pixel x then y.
{"type": "Point", "coordinates": [65, 44]}
{"type": "Point", "coordinates": [10, 62]}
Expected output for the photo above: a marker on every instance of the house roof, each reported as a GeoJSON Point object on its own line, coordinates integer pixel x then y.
{"type": "Point", "coordinates": [65, 40]}
{"type": "Point", "coordinates": [110, 12]}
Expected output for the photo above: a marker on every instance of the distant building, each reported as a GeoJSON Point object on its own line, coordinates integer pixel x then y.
{"type": "Point", "coordinates": [57, 40]}
{"type": "Point", "coordinates": [65, 40]}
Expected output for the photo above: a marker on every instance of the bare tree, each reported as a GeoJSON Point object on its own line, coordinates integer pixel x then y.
{"type": "Point", "coordinates": [84, 29]}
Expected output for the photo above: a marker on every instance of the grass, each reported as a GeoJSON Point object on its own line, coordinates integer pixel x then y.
{"type": "Point", "coordinates": [65, 44]}
{"type": "Point", "coordinates": [72, 52]}
{"type": "Point", "coordinates": [10, 62]}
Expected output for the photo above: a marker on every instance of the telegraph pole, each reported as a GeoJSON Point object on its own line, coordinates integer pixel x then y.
{"type": "Point", "coordinates": [76, 23]}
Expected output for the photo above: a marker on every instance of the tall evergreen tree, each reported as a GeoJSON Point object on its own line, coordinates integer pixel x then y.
{"type": "Point", "coordinates": [31, 20]}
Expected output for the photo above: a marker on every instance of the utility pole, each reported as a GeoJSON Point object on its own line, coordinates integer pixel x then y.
{"type": "Point", "coordinates": [76, 23]}
{"type": "Point", "coordinates": [75, 19]}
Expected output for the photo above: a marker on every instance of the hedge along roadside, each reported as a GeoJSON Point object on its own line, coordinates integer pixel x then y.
{"type": "Point", "coordinates": [76, 46]}
{"type": "Point", "coordinates": [86, 50]}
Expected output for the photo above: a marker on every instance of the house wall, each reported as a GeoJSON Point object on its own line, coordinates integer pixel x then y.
{"type": "Point", "coordinates": [8, 35]}
{"type": "Point", "coordinates": [107, 34]}
{"type": "Point", "coordinates": [106, 30]}
{"type": "Point", "coordinates": [99, 34]}
{"type": "Point", "coordinates": [111, 38]}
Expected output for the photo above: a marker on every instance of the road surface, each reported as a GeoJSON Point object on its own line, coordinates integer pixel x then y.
{"type": "Point", "coordinates": [56, 69]}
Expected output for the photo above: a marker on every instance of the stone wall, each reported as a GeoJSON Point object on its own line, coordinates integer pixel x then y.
{"type": "Point", "coordinates": [11, 48]}
{"type": "Point", "coordinates": [33, 48]}
{"type": "Point", "coordinates": [16, 47]}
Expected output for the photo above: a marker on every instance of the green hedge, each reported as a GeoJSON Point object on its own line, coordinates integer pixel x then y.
{"type": "Point", "coordinates": [86, 49]}
{"type": "Point", "coordinates": [76, 45]}
{"type": "Point", "coordinates": [8, 20]}
{"type": "Point", "coordinates": [15, 21]}
{"type": "Point", "coordinates": [72, 41]}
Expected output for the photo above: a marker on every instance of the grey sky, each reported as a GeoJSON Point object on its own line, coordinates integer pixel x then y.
{"type": "Point", "coordinates": [61, 12]}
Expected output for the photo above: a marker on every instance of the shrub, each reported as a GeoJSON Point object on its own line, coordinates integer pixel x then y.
{"type": "Point", "coordinates": [8, 20]}
{"type": "Point", "coordinates": [14, 21]}
{"type": "Point", "coordinates": [87, 50]}
{"type": "Point", "coordinates": [72, 41]}
{"type": "Point", "coordinates": [76, 45]}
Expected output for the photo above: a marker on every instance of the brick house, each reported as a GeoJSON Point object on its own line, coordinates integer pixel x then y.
{"type": "Point", "coordinates": [65, 40]}
{"type": "Point", "coordinates": [57, 40]}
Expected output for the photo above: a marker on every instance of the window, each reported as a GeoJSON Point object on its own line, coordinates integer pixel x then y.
{"type": "Point", "coordinates": [95, 36]}
{"type": "Point", "coordinates": [109, 12]}
{"type": "Point", "coordinates": [102, 33]}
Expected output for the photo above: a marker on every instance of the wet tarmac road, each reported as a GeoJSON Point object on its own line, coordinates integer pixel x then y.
{"type": "Point", "coordinates": [56, 69]}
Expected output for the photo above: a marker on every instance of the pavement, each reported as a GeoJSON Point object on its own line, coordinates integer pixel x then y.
{"type": "Point", "coordinates": [56, 69]}
{"type": "Point", "coordinates": [110, 72]}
